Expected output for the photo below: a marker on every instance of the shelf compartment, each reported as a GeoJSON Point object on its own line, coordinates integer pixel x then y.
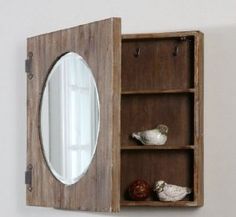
{"type": "Point", "coordinates": [190, 90]}
{"type": "Point", "coordinates": [172, 166]}
{"type": "Point", "coordinates": [142, 112]}
{"type": "Point", "coordinates": [156, 147]}
{"type": "Point", "coordinates": [156, 66]}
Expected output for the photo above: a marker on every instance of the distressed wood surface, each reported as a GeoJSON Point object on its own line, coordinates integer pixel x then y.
{"type": "Point", "coordinates": [160, 35]}
{"type": "Point", "coordinates": [158, 203]}
{"type": "Point", "coordinates": [190, 90]}
{"type": "Point", "coordinates": [198, 120]}
{"type": "Point", "coordinates": [154, 147]}
{"type": "Point", "coordinates": [157, 65]}
{"type": "Point", "coordinates": [99, 43]}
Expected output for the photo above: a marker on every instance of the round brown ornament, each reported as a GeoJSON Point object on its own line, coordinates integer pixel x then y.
{"type": "Point", "coordinates": [139, 190]}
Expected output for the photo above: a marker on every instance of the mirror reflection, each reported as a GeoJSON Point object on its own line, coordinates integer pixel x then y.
{"type": "Point", "coordinates": [69, 118]}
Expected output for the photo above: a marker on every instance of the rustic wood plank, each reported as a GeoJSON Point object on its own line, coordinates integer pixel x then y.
{"type": "Point", "coordinates": [183, 203]}
{"type": "Point", "coordinates": [99, 44]}
{"type": "Point", "coordinates": [45, 188]}
{"type": "Point", "coordinates": [156, 147]}
{"type": "Point", "coordinates": [198, 121]}
{"type": "Point", "coordinates": [116, 115]}
{"type": "Point", "coordinates": [191, 90]}
{"type": "Point", "coordinates": [201, 121]}
{"type": "Point", "coordinates": [159, 35]}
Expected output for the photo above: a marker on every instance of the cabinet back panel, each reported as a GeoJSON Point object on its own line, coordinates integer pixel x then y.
{"type": "Point", "coordinates": [151, 64]}
{"type": "Point", "coordinates": [142, 112]}
{"type": "Point", "coordinates": [172, 166]}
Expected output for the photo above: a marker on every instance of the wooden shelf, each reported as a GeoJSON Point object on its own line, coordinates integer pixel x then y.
{"type": "Point", "coordinates": [190, 90]}
{"type": "Point", "coordinates": [156, 147]}
{"type": "Point", "coordinates": [158, 203]}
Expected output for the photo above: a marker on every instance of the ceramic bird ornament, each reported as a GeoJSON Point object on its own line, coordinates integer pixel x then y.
{"type": "Point", "coordinates": [156, 136]}
{"type": "Point", "coordinates": [168, 192]}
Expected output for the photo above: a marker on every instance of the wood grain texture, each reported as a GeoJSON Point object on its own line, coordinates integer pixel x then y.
{"type": "Point", "coordinates": [154, 147]}
{"type": "Point", "coordinates": [116, 127]}
{"type": "Point", "coordinates": [198, 120]}
{"type": "Point", "coordinates": [161, 35]}
{"type": "Point", "coordinates": [157, 67]}
{"type": "Point", "coordinates": [158, 203]}
{"type": "Point", "coordinates": [99, 43]}
{"type": "Point", "coordinates": [190, 90]}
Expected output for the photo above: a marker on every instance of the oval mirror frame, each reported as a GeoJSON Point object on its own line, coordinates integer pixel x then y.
{"type": "Point", "coordinates": [96, 104]}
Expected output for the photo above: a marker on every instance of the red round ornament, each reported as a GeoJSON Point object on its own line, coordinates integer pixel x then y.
{"type": "Point", "coordinates": [139, 190]}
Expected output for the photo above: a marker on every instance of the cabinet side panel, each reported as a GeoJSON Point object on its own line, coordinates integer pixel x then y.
{"type": "Point", "coordinates": [198, 120]}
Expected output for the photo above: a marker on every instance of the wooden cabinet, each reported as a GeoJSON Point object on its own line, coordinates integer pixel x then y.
{"type": "Point", "coordinates": [142, 80]}
{"type": "Point", "coordinates": [163, 83]}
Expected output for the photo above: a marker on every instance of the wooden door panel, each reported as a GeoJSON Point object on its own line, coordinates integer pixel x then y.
{"type": "Point", "coordinates": [99, 43]}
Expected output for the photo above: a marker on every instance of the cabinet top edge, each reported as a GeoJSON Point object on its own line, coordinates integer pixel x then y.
{"type": "Point", "coordinates": [111, 19]}
{"type": "Point", "coordinates": [161, 35]}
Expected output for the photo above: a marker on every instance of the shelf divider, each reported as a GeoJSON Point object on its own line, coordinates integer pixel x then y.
{"type": "Point", "coordinates": [158, 203]}
{"type": "Point", "coordinates": [190, 90]}
{"type": "Point", "coordinates": [154, 147]}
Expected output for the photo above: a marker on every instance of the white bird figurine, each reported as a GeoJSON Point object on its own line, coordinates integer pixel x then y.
{"type": "Point", "coordinates": [168, 192]}
{"type": "Point", "coordinates": [156, 136]}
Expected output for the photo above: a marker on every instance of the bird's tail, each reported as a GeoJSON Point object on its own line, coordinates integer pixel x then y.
{"type": "Point", "coordinates": [189, 190]}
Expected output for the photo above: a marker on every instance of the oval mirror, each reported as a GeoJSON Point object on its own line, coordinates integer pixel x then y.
{"type": "Point", "coordinates": [69, 118]}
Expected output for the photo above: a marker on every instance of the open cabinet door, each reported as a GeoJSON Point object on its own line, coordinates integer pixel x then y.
{"type": "Point", "coordinates": [99, 44]}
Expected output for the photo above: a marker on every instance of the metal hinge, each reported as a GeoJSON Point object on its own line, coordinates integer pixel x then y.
{"type": "Point", "coordinates": [28, 177]}
{"type": "Point", "coordinates": [28, 65]}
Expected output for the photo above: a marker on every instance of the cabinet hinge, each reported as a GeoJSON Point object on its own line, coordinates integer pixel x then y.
{"type": "Point", "coordinates": [28, 65]}
{"type": "Point", "coordinates": [28, 177]}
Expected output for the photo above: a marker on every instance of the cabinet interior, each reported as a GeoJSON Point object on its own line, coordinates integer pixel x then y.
{"type": "Point", "coordinates": [145, 111]}
{"type": "Point", "coordinates": [158, 87]}
{"type": "Point", "coordinates": [173, 166]}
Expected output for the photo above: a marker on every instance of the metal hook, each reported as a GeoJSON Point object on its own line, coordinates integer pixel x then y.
{"type": "Point", "coordinates": [137, 52]}
{"type": "Point", "coordinates": [183, 38]}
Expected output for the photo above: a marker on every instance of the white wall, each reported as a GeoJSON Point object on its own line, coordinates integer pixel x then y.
{"type": "Point", "coordinates": [217, 19]}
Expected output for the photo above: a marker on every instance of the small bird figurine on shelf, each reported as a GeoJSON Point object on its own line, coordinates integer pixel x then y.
{"type": "Point", "coordinates": [156, 136]}
{"type": "Point", "coordinates": [168, 192]}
